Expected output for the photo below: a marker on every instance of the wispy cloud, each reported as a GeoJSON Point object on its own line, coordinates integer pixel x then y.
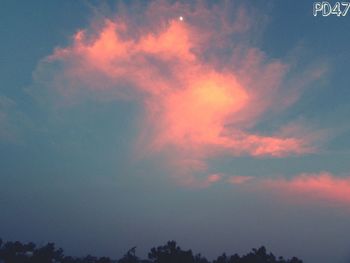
{"type": "Point", "coordinates": [202, 87]}
{"type": "Point", "coordinates": [11, 121]}
{"type": "Point", "coordinates": [305, 188]}
{"type": "Point", "coordinates": [320, 187]}
{"type": "Point", "coordinates": [239, 179]}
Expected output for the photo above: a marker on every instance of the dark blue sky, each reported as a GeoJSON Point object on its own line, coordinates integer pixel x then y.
{"type": "Point", "coordinates": [225, 131]}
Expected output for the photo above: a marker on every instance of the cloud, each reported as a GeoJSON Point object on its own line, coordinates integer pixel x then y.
{"type": "Point", "coordinates": [239, 179]}
{"type": "Point", "coordinates": [305, 188]}
{"type": "Point", "coordinates": [11, 121]}
{"type": "Point", "coordinates": [202, 87]}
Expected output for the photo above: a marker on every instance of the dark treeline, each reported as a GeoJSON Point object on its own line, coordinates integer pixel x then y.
{"type": "Point", "coordinates": [17, 252]}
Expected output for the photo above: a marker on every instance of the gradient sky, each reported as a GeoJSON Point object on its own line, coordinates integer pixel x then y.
{"type": "Point", "coordinates": [122, 125]}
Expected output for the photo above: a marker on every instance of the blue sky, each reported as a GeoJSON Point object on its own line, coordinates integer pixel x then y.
{"type": "Point", "coordinates": [232, 136]}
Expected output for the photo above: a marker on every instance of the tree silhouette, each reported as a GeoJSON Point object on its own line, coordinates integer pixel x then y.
{"type": "Point", "coordinates": [16, 252]}
{"type": "Point", "coordinates": [47, 254]}
{"type": "Point", "coordinates": [255, 256]}
{"type": "Point", "coordinates": [170, 253]}
{"type": "Point", "coordinates": [130, 257]}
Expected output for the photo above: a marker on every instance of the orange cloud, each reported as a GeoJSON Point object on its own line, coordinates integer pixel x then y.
{"type": "Point", "coordinates": [194, 105]}
{"type": "Point", "coordinates": [239, 179]}
{"type": "Point", "coordinates": [202, 182]}
{"type": "Point", "coordinates": [321, 186]}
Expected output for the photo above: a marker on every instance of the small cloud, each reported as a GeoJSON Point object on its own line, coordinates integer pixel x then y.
{"type": "Point", "coordinates": [239, 179]}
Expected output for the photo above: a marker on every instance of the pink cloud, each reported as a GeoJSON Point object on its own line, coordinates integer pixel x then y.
{"type": "Point", "coordinates": [239, 179]}
{"type": "Point", "coordinates": [196, 105]}
{"type": "Point", "coordinates": [319, 187]}
{"type": "Point", "coordinates": [305, 188]}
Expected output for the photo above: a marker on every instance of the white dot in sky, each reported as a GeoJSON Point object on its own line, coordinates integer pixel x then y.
{"type": "Point", "coordinates": [181, 18]}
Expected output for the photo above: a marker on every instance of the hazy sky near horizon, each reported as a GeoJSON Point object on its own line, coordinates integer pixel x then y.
{"type": "Point", "coordinates": [221, 125]}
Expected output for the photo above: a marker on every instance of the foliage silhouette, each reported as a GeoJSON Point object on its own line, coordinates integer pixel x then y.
{"type": "Point", "coordinates": [171, 253]}
{"type": "Point", "coordinates": [130, 257]}
{"type": "Point", "coordinates": [16, 252]}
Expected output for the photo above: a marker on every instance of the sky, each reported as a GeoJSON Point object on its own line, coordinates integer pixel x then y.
{"type": "Point", "coordinates": [222, 125]}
